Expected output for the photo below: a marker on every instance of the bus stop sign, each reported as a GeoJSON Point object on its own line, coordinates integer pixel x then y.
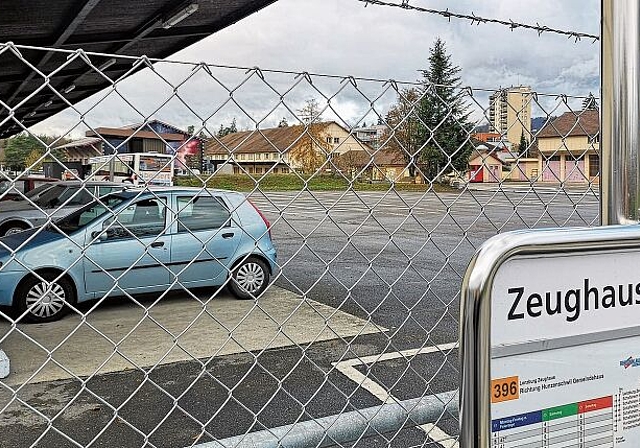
{"type": "Point", "coordinates": [550, 340]}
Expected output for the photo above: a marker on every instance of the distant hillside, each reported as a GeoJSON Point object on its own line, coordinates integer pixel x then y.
{"type": "Point", "coordinates": [481, 129]}
{"type": "Point", "coordinates": [537, 123]}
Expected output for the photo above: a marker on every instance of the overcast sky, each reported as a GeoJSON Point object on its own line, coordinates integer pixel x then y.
{"type": "Point", "coordinates": [342, 37]}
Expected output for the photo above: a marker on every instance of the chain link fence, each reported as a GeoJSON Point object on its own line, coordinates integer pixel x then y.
{"type": "Point", "coordinates": [356, 206]}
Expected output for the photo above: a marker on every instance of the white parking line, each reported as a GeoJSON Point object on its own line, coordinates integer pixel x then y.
{"type": "Point", "coordinates": [347, 368]}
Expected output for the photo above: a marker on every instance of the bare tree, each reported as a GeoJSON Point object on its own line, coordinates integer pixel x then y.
{"type": "Point", "coordinates": [313, 147]}
{"type": "Point", "coordinates": [350, 162]}
{"type": "Point", "coordinates": [311, 112]}
{"type": "Point", "coordinates": [401, 135]}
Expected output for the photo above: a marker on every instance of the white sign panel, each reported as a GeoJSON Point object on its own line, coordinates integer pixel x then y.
{"type": "Point", "coordinates": [585, 396]}
{"type": "Point", "coordinates": [553, 384]}
{"type": "Point", "coordinates": [558, 296]}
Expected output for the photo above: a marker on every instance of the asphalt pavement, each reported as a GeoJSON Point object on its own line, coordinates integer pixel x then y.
{"type": "Point", "coordinates": [368, 279]}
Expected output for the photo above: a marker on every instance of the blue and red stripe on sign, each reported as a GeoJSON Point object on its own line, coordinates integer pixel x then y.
{"type": "Point", "coordinates": [516, 421]}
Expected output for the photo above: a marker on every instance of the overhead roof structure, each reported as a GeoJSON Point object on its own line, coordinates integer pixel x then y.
{"type": "Point", "coordinates": [155, 28]}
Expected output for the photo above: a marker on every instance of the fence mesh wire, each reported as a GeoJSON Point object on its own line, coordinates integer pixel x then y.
{"type": "Point", "coordinates": [375, 194]}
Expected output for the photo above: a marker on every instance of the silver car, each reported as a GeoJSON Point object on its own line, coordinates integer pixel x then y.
{"type": "Point", "coordinates": [50, 201]}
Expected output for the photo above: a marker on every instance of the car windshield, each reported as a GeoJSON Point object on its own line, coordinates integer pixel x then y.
{"type": "Point", "coordinates": [51, 196]}
{"type": "Point", "coordinates": [37, 191]}
{"type": "Point", "coordinates": [86, 215]}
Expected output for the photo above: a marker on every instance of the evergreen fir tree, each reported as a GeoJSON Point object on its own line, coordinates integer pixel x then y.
{"type": "Point", "coordinates": [523, 146]}
{"type": "Point", "coordinates": [233, 128]}
{"type": "Point", "coordinates": [226, 130]}
{"type": "Point", "coordinates": [444, 118]}
{"type": "Point", "coordinates": [590, 103]}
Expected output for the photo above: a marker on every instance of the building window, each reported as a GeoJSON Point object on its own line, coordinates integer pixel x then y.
{"type": "Point", "coordinates": [594, 165]}
{"type": "Point", "coordinates": [336, 140]}
{"type": "Point", "coordinates": [250, 170]}
{"type": "Point", "coordinates": [328, 139]}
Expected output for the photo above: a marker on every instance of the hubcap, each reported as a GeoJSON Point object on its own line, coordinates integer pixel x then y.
{"type": "Point", "coordinates": [13, 230]}
{"type": "Point", "coordinates": [250, 277]}
{"type": "Point", "coordinates": [45, 299]}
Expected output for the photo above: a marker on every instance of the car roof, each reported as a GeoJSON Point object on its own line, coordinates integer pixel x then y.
{"type": "Point", "coordinates": [90, 183]}
{"type": "Point", "coordinates": [42, 179]}
{"type": "Point", "coordinates": [142, 190]}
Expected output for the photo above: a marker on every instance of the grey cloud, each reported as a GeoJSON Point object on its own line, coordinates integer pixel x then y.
{"type": "Point", "coordinates": [345, 38]}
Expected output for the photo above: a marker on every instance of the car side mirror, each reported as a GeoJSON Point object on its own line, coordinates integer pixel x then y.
{"type": "Point", "coordinates": [101, 235]}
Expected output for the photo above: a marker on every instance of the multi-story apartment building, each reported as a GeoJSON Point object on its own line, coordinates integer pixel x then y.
{"type": "Point", "coordinates": [371, 135]}
{"type": "Point", "coordinates": [510, 113]}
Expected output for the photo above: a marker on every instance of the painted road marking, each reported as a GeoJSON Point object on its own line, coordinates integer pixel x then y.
{"type": "Point", "coordinates": [348, 369]}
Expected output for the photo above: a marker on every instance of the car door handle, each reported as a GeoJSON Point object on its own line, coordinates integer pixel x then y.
{"type": "Point", "coordinates": [157, 244]}
{"type": "Point", "coordinates": [228, 235]}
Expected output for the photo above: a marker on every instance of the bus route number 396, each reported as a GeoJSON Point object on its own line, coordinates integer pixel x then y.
{"type": "Point", "coordinates": [505, 389]}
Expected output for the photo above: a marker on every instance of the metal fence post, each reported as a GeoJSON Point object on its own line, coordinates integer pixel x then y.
{"type": "Point", "coordinates": [620, 116]}
{"type": "Point", "coordinates": [347, 427]}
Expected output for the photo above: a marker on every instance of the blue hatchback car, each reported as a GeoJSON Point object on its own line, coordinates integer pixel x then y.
{"type": "Point", "coordinates": [138, 241]}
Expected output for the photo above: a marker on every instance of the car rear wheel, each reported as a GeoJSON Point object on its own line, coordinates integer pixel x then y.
{"type": "Point", "coordinates": [249, 279]}
{"type": "Point", "coordinates": [44, 299]}
{"type": "Point", "coordinates": [12, 228]}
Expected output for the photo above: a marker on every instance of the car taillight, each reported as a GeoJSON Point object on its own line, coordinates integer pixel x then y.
{"type": "Point", "coordinates": [264, 218]}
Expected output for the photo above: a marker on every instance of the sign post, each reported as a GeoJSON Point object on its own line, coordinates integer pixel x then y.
{"type": "Point", "coordinates": [550, 340]}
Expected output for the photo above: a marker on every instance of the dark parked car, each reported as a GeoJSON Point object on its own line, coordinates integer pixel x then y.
{"type": "Point", "coordinates": [53, 200]}
{"type": "Point", "coordinates": [16, 188]}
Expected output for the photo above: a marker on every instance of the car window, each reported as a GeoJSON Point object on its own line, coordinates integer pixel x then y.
{"type": "Point", "coordinates": [141, 219]}
{"type": "Point", "coordinates": [201, 213]}
{"type": "Point", "coordinates": [5, 185]}
{"type": "Point", "coordinates": [86, 215]}
{"type": "Point", "coordinates": [14, 186]}
{"type": "Point", "coordinates": [106, 190]}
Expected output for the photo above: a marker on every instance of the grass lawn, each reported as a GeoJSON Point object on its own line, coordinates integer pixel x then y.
{"type": "Point", "coordinates": [291, 182]}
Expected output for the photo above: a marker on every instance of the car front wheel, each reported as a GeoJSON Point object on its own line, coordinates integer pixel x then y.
{"type": "Point", "coordinates": [44, 298]}
{"type": "Point", "coordinates": [249, 279]}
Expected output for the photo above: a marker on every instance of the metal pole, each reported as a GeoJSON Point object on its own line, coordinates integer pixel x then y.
{"type": "Point", "coordinates": [620, 116]}
{"type": "Point", "coordinates": [348, 427]}
{"type": "Point", "coordinates": [112, 167]}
